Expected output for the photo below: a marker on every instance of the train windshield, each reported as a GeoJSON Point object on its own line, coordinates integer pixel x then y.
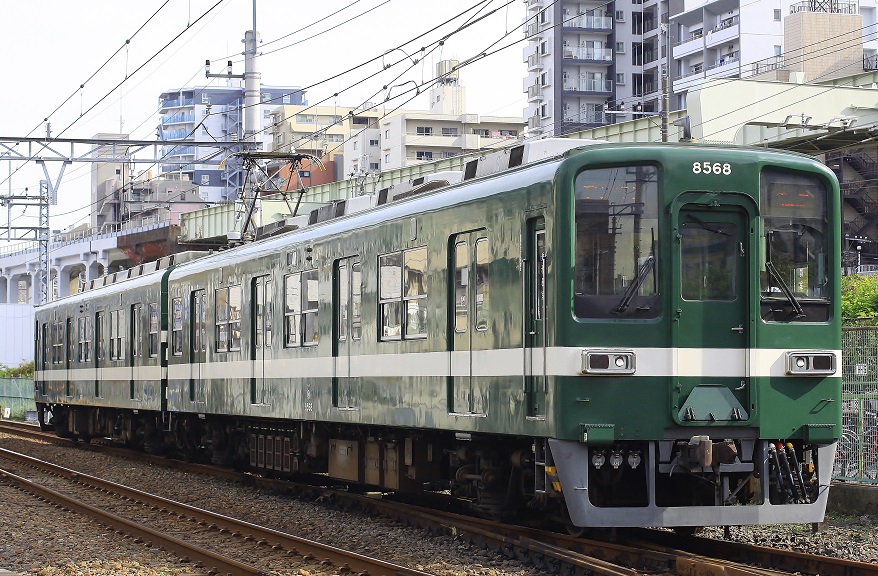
{"type": "Point", "coordinates": [795, 248]}
{"type": "Point", "coordinates": [616, 243]}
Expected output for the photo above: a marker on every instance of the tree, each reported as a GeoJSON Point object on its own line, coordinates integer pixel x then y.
{"type": "Point", "coordinates": [23, 370]}
{"type": "Point", "coordinates": [859, 296]}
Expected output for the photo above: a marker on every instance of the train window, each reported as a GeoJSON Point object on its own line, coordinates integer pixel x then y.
{"type": "Point", "coordinates": [177, 326]}
{"type": "Point", "coordinates": [343, 299]}
{"type": "Point", "coordinates": [117, 335]}
{"type": "Point", "coordinates": [356, 301]}
{"type": "Point", "coordinates": [153, 330]}
{"type": "Point", "coordinates": [615, 271]}
{"type": "Point", "coordinates": [58, 342]}
{"type": "Point", "coordinates": [309, 307]}
{"type": "Point", "coordinates": [794, 275]}
{"type": "Point", "coordinates": [292, 309]}
{"type": "Point", "coordinates": [349, 299]}
{"type": "Point", "coordinates": [482, 284]}
{"type": "Point", "coordinates": [402, 279]}
{"type": "Point", "coordinates": [415, 296]}
{"type": "Point", "coordinates": [84, 347]}
{"type": "Point", "coordinates": [300, 309]}
{"type": "Point", "coordinates": [708, 260]}
{"type": "Point", "coordinates": [461, 287]}
{"type": "Point", "coordinates": [269, 311]}
{"type": "Point", "coordinates": [228, 319]}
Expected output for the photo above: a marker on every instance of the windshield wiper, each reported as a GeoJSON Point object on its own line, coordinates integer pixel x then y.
{"type": "Point", "coordinates": [800, 312]}
{"type": "Point", "coordinates": [635, 285]}
{"type": "Point", "coordinates": [708, 227]}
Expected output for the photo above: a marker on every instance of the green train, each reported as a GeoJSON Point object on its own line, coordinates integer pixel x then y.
{"type": "Point", "coordinates": [592, 333]}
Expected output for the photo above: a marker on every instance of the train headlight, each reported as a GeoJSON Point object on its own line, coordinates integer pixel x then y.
{"type": "Point", "coordinates": [634, 459]}
{"type": "Point", "coordinates": [612, 362]}
{"type": "Point", "coordinates": [615, 459]}
{"type": "Point", "coordinates": [810, 363]}
{"type": "Point", "coordinates": [598, 459]}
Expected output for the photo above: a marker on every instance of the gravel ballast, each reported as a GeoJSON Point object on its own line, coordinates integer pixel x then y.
{"type": "Point", "coordinates": [38, 539]}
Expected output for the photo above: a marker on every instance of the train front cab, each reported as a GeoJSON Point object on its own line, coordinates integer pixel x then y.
{"type": "Point", "coordinates": [706, 323]}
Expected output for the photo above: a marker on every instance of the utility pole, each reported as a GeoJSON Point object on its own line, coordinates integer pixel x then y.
{"type": "Point", "coordinates": [40, 234]}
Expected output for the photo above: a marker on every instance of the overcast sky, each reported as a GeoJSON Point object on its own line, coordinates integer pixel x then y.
{"type": "Point", "coordinates": [52, 47]}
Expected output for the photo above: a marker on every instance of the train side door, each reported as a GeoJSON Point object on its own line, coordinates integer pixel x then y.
{"type": "Point", "coordinates": [100, 351]}
{"type": "Point", "coordinates": [70, 355]}
{"type": "Point", "coordinates": [711, 326]}
{"type": "Point", "coordinates": [470, 323]}
{"type": "Point", "coordinates": [535, 319]}
{"type": "Point", "coordinates": [135, 353]}
{"type": "Point", "coordinates": [260, 340]}
{"type": "Point", "coordinates": [197, 344]}
{"type": "Point", "coordinates": [348, 334]}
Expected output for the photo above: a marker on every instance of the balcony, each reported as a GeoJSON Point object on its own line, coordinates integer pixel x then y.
{"type": "Point", "coordinates": [534, 122]}
{"type": "Point", "coordinates": [689, 45]}
{"type": "Point", "coordinates": [725, 63]}
{"type": "Point", "coordinates": [534, 62]}
{"type": "Point", "coordinates": [593, 23]}
{"type": "Point", "coordinates": [534, 93]}
{"type": "Point", "coordinates": [534, 4]}
{"type": "Point", "coordinates": [531, 30]}
{"type": "Point", "coordinates": [176, 103]}
{"type": "Point", "coordinates": [602, 87]}
{"type": "Point", "coordinates": [724, 32]}
{"type": "Point", "coordinates": [603, 55]}
{"type": "Point", "coordinates": [179, 118]}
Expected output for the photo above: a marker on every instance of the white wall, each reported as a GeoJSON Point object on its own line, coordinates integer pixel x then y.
{"type": "Point", "coordinates": [16, 333]}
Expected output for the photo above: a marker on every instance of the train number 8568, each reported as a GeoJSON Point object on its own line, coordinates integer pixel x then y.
{"type": "Point", "coordinates": [711, 168]}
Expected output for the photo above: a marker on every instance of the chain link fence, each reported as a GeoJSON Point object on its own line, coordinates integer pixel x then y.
{"type": "Point", "coordinates": [17, 398]}
{"type": "Point", "coordinates": [857, 454]}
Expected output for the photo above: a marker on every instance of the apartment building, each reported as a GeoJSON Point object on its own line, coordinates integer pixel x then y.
{"type": "Point", "coordinates": [595, 63]}
{"type": "Point", "coordinates": [213, 113]}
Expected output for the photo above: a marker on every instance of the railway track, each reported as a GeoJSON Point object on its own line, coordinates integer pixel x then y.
{"type": "Point", "coordinates": [194, 534]}
{"type": "Point", "coordinates": [630, 553]}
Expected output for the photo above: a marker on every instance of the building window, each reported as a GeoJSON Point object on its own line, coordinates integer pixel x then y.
{"type": "Point", "coordinates": [481, 132]}
{"type": "Point", "coordinates": [266, 97]}
{"type": "Point", "coordinates": [449, 131]}
{"type": "Point", "coordinates": [508, 133]}
{"type": "Point", "coordinates": [544, 16]}
{"type": "Point", "coordinates": [300, 309]}
{"type": "Point", "coordinates": [403, 294]}
{"type": "Point", "coordinates": [544, 79]}
{"type": "Point", "coordinates": [778, 51]}
{"type": "Point", "coordinates": [777, 15]}
{"type": "Point", "coordinates": [424, 131]}
{"type": "Point", "coordinates": [205, 179]}
{"type": "Point", "coordinates": [227, 315]}
{"type": "Point", "coordinates": [153, 330]}
{"type": "Point", "coordinates": [620, 47]}
{"type": "Point", "coordinates": [387, 158]}
{"type": "Point", "coordinates": [373, 166]}
{"type": "Point", "coordinates": [176, 327]}
{"type": "Point", "coordinates": [205, 98]}
{"type": "Point", "coordinates": [620, 16]}
{"type": "Point", "coordinates": [373, 142]}
{"type": "Point", "coordinates": [424, 155]}
{"type": "Point", "coordinates": [387, 134]}
{"type": "Point", "coordinates": [355, 145]}
{"type": "Point", "coordinates": [544, 110]}
{"type": "Point", "coordinates": [544, 47]}
{"type": "Point", "coordinates": [620, 79]}
{"type": "Point", "coordinates": [287, 99]}
{"type": "Point", "coordinates": [446, 155]}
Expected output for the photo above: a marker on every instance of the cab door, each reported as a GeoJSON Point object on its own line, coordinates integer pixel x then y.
{"type": "Point", "coordinates": [711, 330]}
{"type": "Point", "coordinates": [135, 353]}
{"type": "Point", "coordinates": [470, 323]}
{"type": "Point", "coordinates": [534, 313]}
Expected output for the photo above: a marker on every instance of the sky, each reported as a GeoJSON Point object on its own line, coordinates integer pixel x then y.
{"type": "Point", "coordinates": [69, 62]}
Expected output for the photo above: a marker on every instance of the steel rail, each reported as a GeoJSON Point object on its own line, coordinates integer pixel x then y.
{"type": "Point", "coordinates": [182, 549]}
{"type": "Point", "coordinates": [309, 549]}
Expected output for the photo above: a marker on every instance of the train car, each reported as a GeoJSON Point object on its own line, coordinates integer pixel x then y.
{"type": "Point", "coordinates": [610, 335]}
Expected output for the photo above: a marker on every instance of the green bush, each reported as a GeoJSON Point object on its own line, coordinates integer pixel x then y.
{"type": "Point", "coordinates": [23, 370]}
{"type": "Point", "coordinates": [859, 297]}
